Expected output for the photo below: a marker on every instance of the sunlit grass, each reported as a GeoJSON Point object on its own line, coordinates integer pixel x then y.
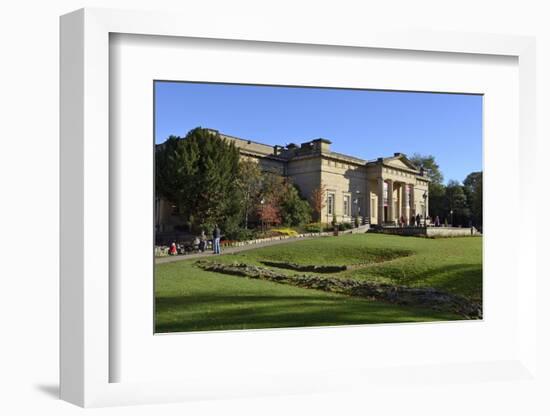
{"type": "Point", "coordinates": [190, 299]}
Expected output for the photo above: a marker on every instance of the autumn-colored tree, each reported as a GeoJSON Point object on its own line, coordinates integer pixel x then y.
{"type": "Point", "coordinates": [283, 201]}
{"type": "Point", "coordinates": [318, 200]}
{"type": "Point", "coordinates": [269, 213]}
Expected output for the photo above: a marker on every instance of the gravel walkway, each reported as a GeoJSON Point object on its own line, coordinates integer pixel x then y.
{"type": "Point", "coordinates": [230, 250]}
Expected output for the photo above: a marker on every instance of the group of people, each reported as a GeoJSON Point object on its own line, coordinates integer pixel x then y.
{"type": "Point", "coordinates": [417, 221]}
{"type": "Point", "coordinates": [414, 220]}
{"type": "Point", "coordinates": [200, 243]}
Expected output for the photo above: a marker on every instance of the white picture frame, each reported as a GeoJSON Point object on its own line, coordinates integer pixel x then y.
{"type": "Point", "coordinates": [86, 353]}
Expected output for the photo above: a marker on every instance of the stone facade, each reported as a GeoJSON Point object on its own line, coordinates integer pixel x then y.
{"type": "Point", "coordinates": [380, 191]}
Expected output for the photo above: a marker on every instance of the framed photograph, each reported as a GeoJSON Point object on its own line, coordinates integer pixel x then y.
{"type": "Point", "coordinates": [282, 212]}
{"type": "Point", "coordinates": [250, 235]}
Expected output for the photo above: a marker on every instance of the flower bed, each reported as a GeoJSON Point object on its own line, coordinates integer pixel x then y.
{"type": "Point", "coordinates": [231, 243]}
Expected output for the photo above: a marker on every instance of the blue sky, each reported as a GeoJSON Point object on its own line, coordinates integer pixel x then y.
{"type": "Point", "coordinates": [361, 123]}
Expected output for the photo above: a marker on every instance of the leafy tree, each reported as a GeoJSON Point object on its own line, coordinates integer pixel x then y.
{"type": "Point", "coordinates": [294, 210]}
{"type": "Point", "coordinates": [437, 203]}
{"type": "Point", "coordinates": [268, 208]}
{"type": "Point", "coordinates": [269, 212]}
{"type": "Point", "coordinates": [282, 197]}
{"type": "Point", "coordinates": [473, 180]}
{"type": "Point", "coordinates": [429, 165]}
{"type": "Point", "coordinates": [436, 188]}
{"type": "Point", "coordinates": [167, 184]}
{"type": "Point", "coordinates": [457, 202]}
{"type": "Point", "coordinates": [271, 185]}
{"type": "Point", "coordinates": [250, 183]}
{"type": "Point", "coordinates": [473, 185]}
{"type": "Point", "coordinates": [200, 174]}
{"type": "Point", "coordinates": [318, 200]}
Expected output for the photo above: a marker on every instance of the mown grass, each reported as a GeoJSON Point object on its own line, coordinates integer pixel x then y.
{"type": "Point", "coordinates": [349, 250]}
{"type": "Point", "coordinates": [190, 299]}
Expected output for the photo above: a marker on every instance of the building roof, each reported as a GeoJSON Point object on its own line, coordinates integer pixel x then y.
{"type": "Point", "coordinates": [307, 149]}
{"type": "Point", "coordinates": [347, 157]}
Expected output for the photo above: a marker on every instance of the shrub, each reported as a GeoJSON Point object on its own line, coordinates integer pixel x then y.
{"type": "Point", "coordinates": [266, 234]}
{"type": "Point", "coordinates": [315, 226]}
{"type": "Point", "coordinates": [345, 226]}
{"type": "Point", "coordinates": [311, 228]}
{"type": "Point", "coordinates": [286, 231]}
{"type": "Point", "coordinates": [239, 234]}
{"type": "Point", "coordinates": [294, 210]}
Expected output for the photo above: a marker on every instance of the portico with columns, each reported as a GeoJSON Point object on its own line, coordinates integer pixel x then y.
{"type": "Point", "coordinates": [400, 191]}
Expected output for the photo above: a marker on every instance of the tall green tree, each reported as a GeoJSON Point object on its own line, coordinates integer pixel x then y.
{"type": "Point", "coordinates": [473, 185]}
{"type": "Point", "coordinates": [294, 209]}
{"type": "Point", "coordinates": [167, 185]}
{"type": "Point", "coordinates": [437, 201]}
{"type": "Point", "coordinates": [436, 188]}
{"type": "Point", "coordinates": [429, 165]}
{"type": "Point", "coordinates": [456, 201]}
{"type": "Point", "coordinates": [200, 174]}
{"type": "Point", "coordinates": [250, 184]}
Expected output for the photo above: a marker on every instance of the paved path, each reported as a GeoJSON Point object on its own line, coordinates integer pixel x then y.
{"type": "Point", "coordinates": [230, 250]}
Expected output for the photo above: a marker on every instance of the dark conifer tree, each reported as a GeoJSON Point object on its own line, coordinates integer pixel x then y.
{"type": "Point", "coordinates": [199, 173]}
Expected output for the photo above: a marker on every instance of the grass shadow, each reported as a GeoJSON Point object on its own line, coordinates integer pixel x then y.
{"type": "Point", "coordinates": [211, 312]}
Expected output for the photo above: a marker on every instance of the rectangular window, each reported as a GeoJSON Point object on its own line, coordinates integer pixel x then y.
{"type": "Point", "coordinates": [385, 194]}
{"type": "Point", "coordinates": [347, 206]}
{"type": "Point", "coordinates": [330, 204]}
{"type": "Point", "coordinates": [373, 207]}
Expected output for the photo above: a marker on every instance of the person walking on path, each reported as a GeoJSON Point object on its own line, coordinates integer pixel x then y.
{"type": "Point", "coordinates": [203, 242]}
{"type": "Point", "coordinates": [217, 235]}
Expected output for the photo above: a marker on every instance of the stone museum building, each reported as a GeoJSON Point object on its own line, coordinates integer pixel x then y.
{"type": "Point", "coordinates": [379, 191]}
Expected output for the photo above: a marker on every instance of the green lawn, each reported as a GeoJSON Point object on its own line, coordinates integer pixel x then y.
{"type": "Point", "coordinates": [190, 299]}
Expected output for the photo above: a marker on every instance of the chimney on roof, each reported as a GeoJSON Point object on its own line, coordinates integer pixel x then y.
{"type": "Point", "coordinates": [321, 144]}
{"type": "Point", "coordinates": [397, 154]}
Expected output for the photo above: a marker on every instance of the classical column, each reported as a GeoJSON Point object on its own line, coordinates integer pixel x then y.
{"type": "Point", "coordinates": [380, 196]}
{"type": "Point", "coordinates": [367, 214]}
{"type": "Point", "coordinates": [390, 202]}
{"type": "Point", "coordinates": [427, 203]}
{"type": "Point", "coordinates": [413, 207]}
{"type": "Point", "coordinates": [404, 203]}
